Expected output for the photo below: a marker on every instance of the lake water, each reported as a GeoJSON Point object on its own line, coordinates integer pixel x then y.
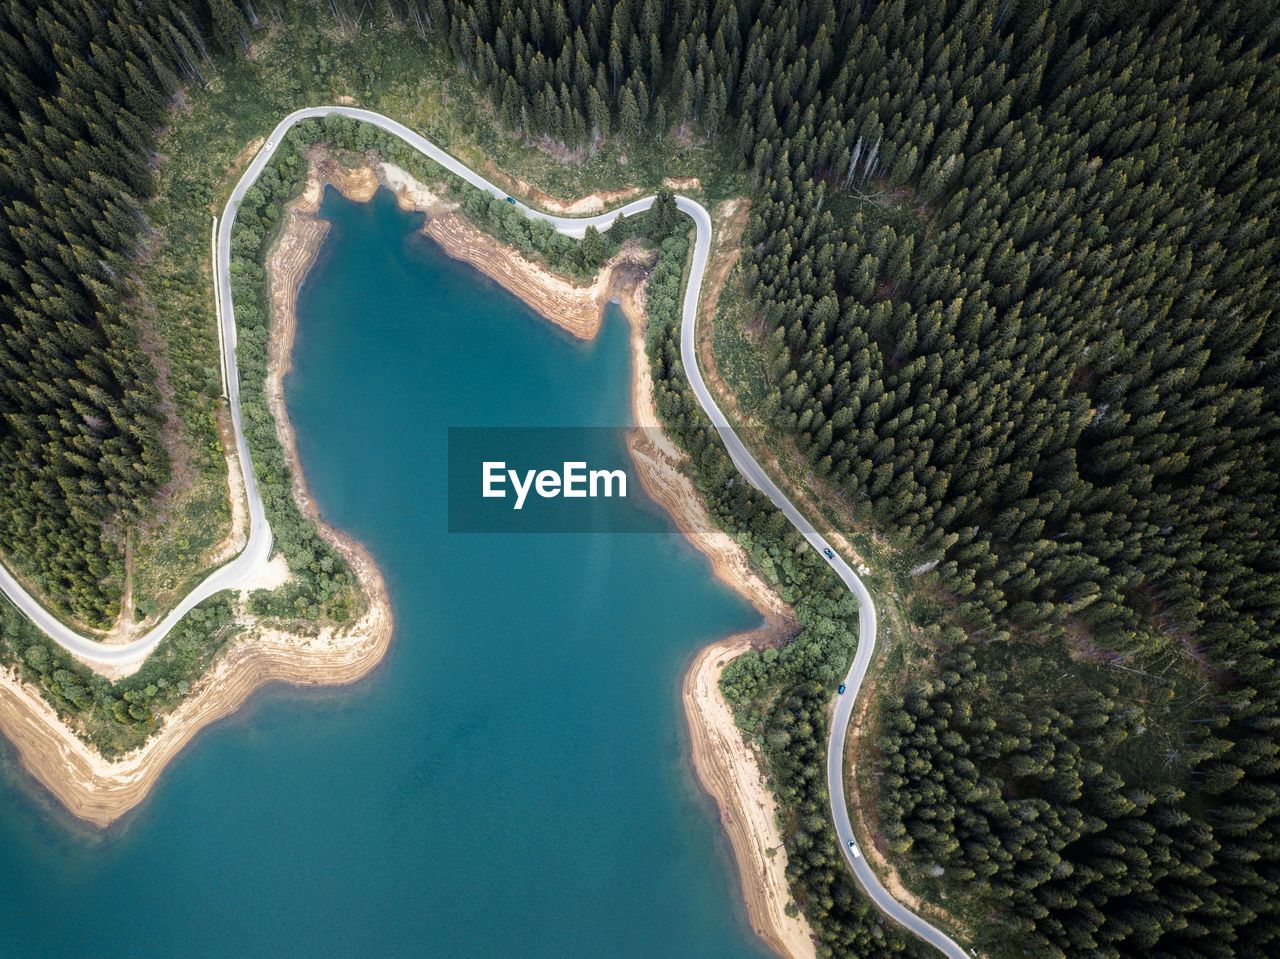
{"type": "Point", "coordinates": [513, 781]}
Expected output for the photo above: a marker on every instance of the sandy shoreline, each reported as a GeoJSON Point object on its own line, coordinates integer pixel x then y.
{"type": "Point", "coordinates": [728, 769]}
{"type": "Point", "coordinates": [100, 791]}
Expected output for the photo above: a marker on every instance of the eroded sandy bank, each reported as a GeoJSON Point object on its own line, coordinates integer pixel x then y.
{"type": "Point", "coordinates": [100, 790]}
{"type": "Point", "coordinates": [726, 765]}
{"type": "Point", "coordinates": [729, 769]}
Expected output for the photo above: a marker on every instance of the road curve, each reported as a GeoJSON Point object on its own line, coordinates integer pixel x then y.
{"type": "Point", "coordinates": [761, 480]}
{"type": "Point", "coordinates": [129, 656]}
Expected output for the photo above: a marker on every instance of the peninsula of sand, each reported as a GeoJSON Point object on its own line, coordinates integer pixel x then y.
{"type": "Point", "coordinates": [100, 790]}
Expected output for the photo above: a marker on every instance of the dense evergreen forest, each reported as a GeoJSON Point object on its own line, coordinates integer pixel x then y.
{"type": "Point", "coordinates": [1018, 260]}
{"type": "Point", "coordinates": [1018, 267]}
{"type": "Point", "coordinates": [79, 450]}
{"type": "Point", "coordinates": [86, 87]}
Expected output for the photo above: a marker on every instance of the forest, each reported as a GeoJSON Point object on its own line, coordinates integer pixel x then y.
{"type": "Point", "coordinates": [80, 453]}
{"type": "Point", "coordinates": [1016, 264]}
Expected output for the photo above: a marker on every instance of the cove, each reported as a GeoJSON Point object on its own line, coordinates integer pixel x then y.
{"type": "Point", "coordinates": [514, 780]}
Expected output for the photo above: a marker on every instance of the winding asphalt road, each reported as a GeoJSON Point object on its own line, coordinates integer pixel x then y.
{"type": "Point", "coordinates": [126, 657]}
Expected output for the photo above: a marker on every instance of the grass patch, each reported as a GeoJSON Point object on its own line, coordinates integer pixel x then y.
{"type": "Point", "coordinates": [736, 348]}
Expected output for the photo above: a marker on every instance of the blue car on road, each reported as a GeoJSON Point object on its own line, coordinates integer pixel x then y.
{"type": "Point", "coordinates": [511, 200]}
{"type": "Point", "coordinates": [826, 551]}
{"type": "Point", "coordinates": [842, 689]}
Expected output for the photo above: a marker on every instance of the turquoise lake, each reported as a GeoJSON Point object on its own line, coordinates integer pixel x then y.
{"type": "Point", "coordinates": [513, 781]}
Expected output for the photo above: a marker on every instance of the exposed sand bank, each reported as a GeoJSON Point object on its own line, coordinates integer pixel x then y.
{"type": "Point", "coordinates": [100, 790]}
{"type": "Point", "coordinates": [727, 766]}
{"type": "Point", "coordinates": [729, 770]}
{"type": "Point", "coordinates": [576, 308]}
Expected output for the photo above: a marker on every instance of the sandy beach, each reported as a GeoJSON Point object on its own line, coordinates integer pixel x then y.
{"type": "Point", "coordinates": [729, 769]}
{"type": "Point", "coordinates": [100, 790]}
